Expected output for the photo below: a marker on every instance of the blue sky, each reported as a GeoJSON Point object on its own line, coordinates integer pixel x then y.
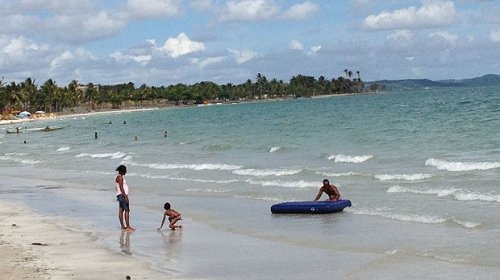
{"type": "Point", "coordinates": [163, 42]}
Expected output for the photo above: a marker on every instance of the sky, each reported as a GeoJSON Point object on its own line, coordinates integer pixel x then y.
{"type": "Point", "coordinates": [165, 42]}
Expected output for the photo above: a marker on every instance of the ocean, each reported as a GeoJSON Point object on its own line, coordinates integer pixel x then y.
{"type": "Point", "coordinates": [420, 168]}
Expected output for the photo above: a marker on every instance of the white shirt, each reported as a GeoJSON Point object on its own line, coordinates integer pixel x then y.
{"type": "Point", "coordinates": [125, 187]}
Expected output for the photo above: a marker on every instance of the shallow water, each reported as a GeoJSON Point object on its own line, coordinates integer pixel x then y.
{"type": "Point", "coordinates": [421, 169]}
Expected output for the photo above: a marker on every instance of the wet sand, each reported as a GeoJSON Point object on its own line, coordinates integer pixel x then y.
{"type": "Point", "coordinates": [38, 247]}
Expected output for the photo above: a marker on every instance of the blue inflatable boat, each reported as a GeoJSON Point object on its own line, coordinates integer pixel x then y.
{"type": "Point", "coordinates": [310, 207]}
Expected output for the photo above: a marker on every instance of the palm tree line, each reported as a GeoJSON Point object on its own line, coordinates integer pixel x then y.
{"type": "Point", "coordinates": [50, 97]}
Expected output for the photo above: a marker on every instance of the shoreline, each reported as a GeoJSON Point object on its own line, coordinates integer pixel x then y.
{"type": "Point", "coordinates": [128, 110]}
{"type": "Point", "coordinates": [43, 247]}
{"type": "Point", "coordinates": [75, 115]}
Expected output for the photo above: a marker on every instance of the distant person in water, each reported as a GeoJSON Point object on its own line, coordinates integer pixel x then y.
{"type": "Point", "coordinates": [173, 217]}
{"type": "Point", "coordinates": [122, 197]}
{"type": "Point", "coordinates": [330, 190]}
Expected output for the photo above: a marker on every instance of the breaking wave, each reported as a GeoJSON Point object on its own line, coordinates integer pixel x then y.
{"type": "Point", "coordinates": [266, 172]}
{"type": "Point", "coordinates": [460, 166]}
{"type": "Point", "coordinates": [274, 149]}
{"type": "Point", "coordinates": [196, 167]}
{"type": "Point", "coordinates": [103, 155]}
{"type": "Point", "coordinates": [285, 184]}
{"type": "Point", "coordinates": [413, 218]}
{"type": "Point", "coordinates": [402, 177]}
{"type": "Point", "coordinates": [349, 159]}
{"type": "Point", "coordinates": [458, 194]}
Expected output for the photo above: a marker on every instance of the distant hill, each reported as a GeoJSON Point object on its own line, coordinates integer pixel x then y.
{"type": "Point", "coordinates": [411, 84]}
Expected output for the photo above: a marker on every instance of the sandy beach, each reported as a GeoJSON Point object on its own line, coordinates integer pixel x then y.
{"type": "Point", "coordinates": [38, 247]}
{"type": "Point", "coordinates": [63, 116]}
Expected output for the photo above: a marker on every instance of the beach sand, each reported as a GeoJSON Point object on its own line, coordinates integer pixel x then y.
{"type": "Point", "coordinates": [62, 116]}
{"type": "Point", "coordinates": [33, 246]}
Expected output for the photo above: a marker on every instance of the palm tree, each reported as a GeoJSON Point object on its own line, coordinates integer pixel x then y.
{"type": "Point", "coordinates": [29, 89]}
{"type": "Point", "coordinates": [15, 96]}
{"type": "Point", "coordinates": [3, 96]}
{"type": "Point", "coordinates": [47, 95]}
{"type": "Point", "coordinates": [349, 74]}
{"type": "Point", "coordinates": [89, 95]}
{"type": "Point", "coordinates": [75, 93]}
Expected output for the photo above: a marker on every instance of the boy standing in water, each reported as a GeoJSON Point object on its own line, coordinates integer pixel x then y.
{"type": "Point", "coordinates": [122, 197]}
{"type": "Point", "coordinates": [173, 217]}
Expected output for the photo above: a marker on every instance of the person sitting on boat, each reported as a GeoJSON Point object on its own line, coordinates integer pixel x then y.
{"type": "Point", "coordinates": [331, 190]}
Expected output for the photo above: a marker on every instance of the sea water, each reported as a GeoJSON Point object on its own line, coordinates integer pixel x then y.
{"type": "Point", "coordinates": [421, 169]}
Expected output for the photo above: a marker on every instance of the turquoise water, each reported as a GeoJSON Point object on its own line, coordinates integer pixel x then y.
{"type": "Point", "coordinates": [421, 169]}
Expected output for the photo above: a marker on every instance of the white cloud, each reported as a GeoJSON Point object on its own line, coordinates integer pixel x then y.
{"type": "Point", "coordinates": [202, 5]}
{"type": "Point", "coordinates": [431, 14]}
{"type": "Point", "coordinates": [401, 35]}
{"type": "Point", "coordinates": [495, 35]}
{"type": "Point", "coordinates": [146, 9]}
{"type": "Point", "coordinates": [101, 23]}
{"type": "Point", "coordinates": [314, 50]}
{"type": "Point", "coordinates": [248, 10]}
{"type": "Point", "coordinates": [208, 61]}
{"type": "Point", "coordinates": [296, 45]}
{"type": "Point", "coordinates": [301, 11]}
{"type": "Point", "coordinates": [81, 28]}
{"type": "Point", "coordinates": [450, 38]}
{"type": "Point", "coordinates": [18, 47]}
{"type": "Point", "coordinates": [243, 55]}
{"type": "Point", "coordinates": [61, 59]}
{"type": "Point", "coordinates": [181, 45]}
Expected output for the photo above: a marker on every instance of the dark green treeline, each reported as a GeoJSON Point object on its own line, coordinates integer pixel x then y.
{"type": "Point", "coordinates": [50, 97]}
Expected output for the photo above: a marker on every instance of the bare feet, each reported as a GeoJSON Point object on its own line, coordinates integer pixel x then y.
{"type": "Point", "coordinates": [129, 229]}
{"type": "Point", "coordinates": [174, 227]}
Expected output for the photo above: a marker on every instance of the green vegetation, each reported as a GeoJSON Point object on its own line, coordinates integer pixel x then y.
{"type": "Point", "coordinates": [417, 84]}
{"type": "Point", "coordinates": [50, 97]}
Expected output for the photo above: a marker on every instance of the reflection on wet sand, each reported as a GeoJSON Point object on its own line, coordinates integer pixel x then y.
{"type": "Point", "coordinates": [172, 242]}
{"type": "Point", "coordinates": [125, 242]}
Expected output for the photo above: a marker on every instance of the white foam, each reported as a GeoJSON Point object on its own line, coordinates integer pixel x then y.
{"type": "Point", "coordinates": [16, 154]}
{"type": "Point", "coordinates": [20, 160]}
{"type": "Point", "coordinates": [103, 155]}
{"type": "Point", "coordinates": [470, 196]}
{"type": "Point", "coordinates": [460, 166]}
{"type": "Point", "coordinates": [345, 174]}
{"type": "Point", "coordinates": [466, 224]}
{"type": "Point", "coordinates": [274, 149]}
{"type": "Point", "coordinates": [423, 219]}
{"type": "Point", "coordinates": [402, 177]}
{"type": "Point", "coordinates": [438, 192]}
{"type": "Point", "coordinates": [197, 167]}
{"type": "Point", "coordinates": [229, 181]}
{"type": "Point", "coordinates": [207, 190]}
{"type": "Point", "coordinates": [63, 149]}
{"type": "Point", "coordinates": [265, 198]}
{"type": "Point", "coordinates": [266, 172]}
{"type": "Point", "coordinates": [286, 184]}
{"type": "Point", "coordinates": [458, 194]}
{"type": "Point", "coordinates": [349, 159]}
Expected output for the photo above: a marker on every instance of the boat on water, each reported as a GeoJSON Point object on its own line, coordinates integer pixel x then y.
{"type": "Point", "coordinates": [34, 129]}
